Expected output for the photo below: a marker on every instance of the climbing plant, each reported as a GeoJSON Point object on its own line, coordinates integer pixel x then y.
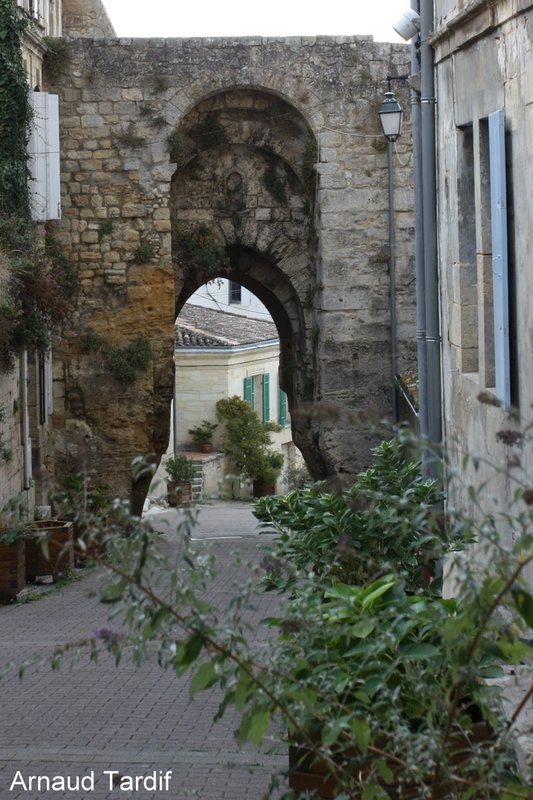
{"type": "Point", "coordinates": [39, 286]}
{"type": "Point", "coordinates": [200, 252]}
{"type": "Point", "coordinates": [15, 116]}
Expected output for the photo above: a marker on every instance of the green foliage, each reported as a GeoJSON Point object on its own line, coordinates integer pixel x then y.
{"type": "Point", "coordinates": [199, 252]}
{"type": "Point", "coordinates": [105, 228]}
{"type": "Point", "coordinates": [386, 520]}
{"type": "Point", "coordinates": [57, 57]}
{"type": "Point", "coordinates": [247, 441]}
{"type": "Point", "coordinates": [384, 686]}
{"type": "Point", "coordinates": [180, 148]}
{"type": "Point", "coordinates": [274, 185]}
{"type": "Point", "coordinates": [76, 495]}
{"type": "Point", "coordinates": [144, 253]}
{"type": "Point", "coordinates": [13, 524]}
{"type": "Point", "coordinates": [203, 433]}
{"type": "Point", "coordinates": [180, 468]}
{"type": "Point", "coordinates": [90, 342]}
{"type": "Point", "coordinates": [5, 452]}
{"type": "Point", "coordinates": [125, 363]}
{"type": "Point", "coordinates": [40, 290]}
{"type": "Point", "coordinates": [15, 116]}
{"type": "Point", "coordinates": [208, 132]}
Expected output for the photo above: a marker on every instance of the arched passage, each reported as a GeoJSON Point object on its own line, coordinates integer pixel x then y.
{"type": "Point", "coordinates": [241, 207]}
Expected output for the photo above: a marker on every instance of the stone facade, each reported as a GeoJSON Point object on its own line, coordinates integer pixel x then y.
{"type": "Point", "coordinates": [176, 150]}
{"type": "Point", "coordinates": [484, 64]}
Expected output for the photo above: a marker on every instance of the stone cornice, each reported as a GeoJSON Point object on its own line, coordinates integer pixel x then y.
{"type": "Point", "coordinates": [474, 22]}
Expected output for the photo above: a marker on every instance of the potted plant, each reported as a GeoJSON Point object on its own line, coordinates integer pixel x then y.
{"type": "Point", "coordinates": [49, 548]}
{"type": "Point", "coordinates": [202, 435]}
{"type": "Point", "coordinates": [12, 557]}
{"type": "Point", "coordinates": [85, 503]}
{"type": "Point", "coordinates": [247, 442]}
{"type": "Point", "coordinates": [266, 473]}
{"type": "Point", "coordinates": [181, 471]}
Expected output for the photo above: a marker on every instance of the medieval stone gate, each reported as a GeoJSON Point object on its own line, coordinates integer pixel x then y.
{"type": "Point", "coordinates": [257, 159]}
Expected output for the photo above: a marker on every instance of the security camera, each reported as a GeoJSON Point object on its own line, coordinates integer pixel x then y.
{"type": "Point", "coordinates": [408, 25]}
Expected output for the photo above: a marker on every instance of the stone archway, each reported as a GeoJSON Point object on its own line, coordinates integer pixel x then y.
{"type": "Point", "coordinates": [182, 159]}
{"type": "Point", "coordinates": [242, 207]}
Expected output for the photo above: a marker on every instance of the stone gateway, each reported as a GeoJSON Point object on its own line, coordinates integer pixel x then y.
{"type": "Point", "coordinates": [260, 160]}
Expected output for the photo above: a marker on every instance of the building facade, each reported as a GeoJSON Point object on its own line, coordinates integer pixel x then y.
{"type": "Point", "coordinates": [220, 355]}
{"type": "Point", "coordinates": [484, 88]}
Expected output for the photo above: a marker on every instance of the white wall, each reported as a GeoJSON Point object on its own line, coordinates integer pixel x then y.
{"type": "Point", "coordinates": [215, 294]}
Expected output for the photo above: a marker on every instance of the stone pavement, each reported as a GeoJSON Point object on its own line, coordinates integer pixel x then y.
{"type": "Point", "coordinates": [87, 718]}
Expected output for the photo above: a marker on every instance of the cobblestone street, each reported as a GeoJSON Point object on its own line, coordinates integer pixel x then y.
{"type": "Point", "coordinates": [87, 718]}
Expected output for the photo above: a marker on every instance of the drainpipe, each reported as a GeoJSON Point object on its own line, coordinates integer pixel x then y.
{"type": "Point", "coordinates": [25, 421]}
{"type": "Point", "coordinates": [392, 284]}
{"type": "Point", "coordinates": [429, 225]}
{"type": "Point", "coordinates": [419, 238]}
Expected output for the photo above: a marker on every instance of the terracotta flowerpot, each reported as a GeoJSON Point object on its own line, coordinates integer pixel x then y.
{"type": "Point", "coordinates": [12, 569]}
{"type": "Point", "coordinates": [207, 447]}
{"type": "Point", "coordinates": [262, 489]}
{"type": "Point", "coordinates": [59, 534]}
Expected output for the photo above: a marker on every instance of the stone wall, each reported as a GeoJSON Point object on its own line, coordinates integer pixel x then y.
{"type": "Point", "coordinates": [248, 119]}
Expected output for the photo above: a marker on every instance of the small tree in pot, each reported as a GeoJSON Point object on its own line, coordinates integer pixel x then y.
{"type": "Point", "coordinates": [181, 471]}
{"type": "Point", "coordinates": [247, 442]}
{"type": "Point", "coordinates": [202, 435]}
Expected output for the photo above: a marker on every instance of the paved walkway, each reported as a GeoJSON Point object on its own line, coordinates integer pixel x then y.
{"type": "Point", "coordinates": [87, 719]}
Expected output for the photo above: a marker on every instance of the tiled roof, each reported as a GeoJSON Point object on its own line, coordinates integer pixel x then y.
{"type": "Point", "coordinates": [197, 326]}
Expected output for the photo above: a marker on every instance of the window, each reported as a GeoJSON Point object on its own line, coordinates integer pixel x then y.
{"type": "Point", "coordinates": [256, 391]}
{"type": "Point", "coordinates": [235, 292]}
{"type": "Point", "coordinates": [483, 262]}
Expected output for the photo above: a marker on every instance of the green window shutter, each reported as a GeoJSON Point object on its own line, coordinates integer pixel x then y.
{"type": "Point", "coordinates": [248, 390]}
{"type": "Point", "coordinates": [282, 418]}
{"type": "Point", "coordinates": [266, 397]}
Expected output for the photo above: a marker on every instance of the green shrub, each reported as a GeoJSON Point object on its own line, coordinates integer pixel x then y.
{"type": "Point", "coordinates": [386, 520]}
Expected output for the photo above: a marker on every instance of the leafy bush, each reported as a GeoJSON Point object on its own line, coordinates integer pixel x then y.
{"type": "Point", "coordinates": [180, 468]}
{"type": "Point", "coordinates": [126, 362]}
{"type": "Point", "coordinates": [386, 520]}
{"type": "Point", "coordinates": [247, 442]}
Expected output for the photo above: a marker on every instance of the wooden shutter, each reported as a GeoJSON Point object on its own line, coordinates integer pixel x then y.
{"type": "Point", "coordinates": [265, 383]}
{"type": "Point", "coordinates": [248, 390]}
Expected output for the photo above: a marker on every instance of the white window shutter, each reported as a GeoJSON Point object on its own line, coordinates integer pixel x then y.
{"type": "Point", "coordinates": [500, 279]}
{"type": "Point", "coordinates": [43, 164]}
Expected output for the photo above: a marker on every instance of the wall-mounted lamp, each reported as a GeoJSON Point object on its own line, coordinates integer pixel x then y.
{"type": "Point", "coordinates": [408, 25]}
{"type": "Point", "coordinates": [391, 116]}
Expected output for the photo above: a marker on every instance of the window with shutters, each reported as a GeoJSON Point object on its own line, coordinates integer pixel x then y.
{"type": "Point", "coordinates": [256, 391]}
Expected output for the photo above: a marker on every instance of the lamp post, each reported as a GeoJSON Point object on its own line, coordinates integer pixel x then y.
{"type": "Point", "coordinates": [391, 116]}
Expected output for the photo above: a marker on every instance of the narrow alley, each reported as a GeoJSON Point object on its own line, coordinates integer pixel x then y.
{"type": "Point", "coordinates": [94, 720]}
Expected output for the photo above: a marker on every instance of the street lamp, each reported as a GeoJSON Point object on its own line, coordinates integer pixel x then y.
{"type": "Point", "coordinates": [391, 115]}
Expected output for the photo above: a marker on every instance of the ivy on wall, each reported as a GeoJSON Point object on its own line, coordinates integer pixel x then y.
{"type": "Point", "coordinates": [15, 116]}
{"type": "Point", "coordinates": [37, 281]}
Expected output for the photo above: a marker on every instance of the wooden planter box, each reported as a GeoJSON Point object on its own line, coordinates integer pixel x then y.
{"type": "Point", "coordinates": [178, 493]}
{"type": "Point", "coordinates": [60, 549]}
{"type": "Point", "coordinates": [309, 774]}
{"type": "Point", "coordinates": [12, 569]}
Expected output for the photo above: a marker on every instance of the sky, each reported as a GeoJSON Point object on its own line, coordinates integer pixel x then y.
{"type": "Point", "coordinates": [169, 18]}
